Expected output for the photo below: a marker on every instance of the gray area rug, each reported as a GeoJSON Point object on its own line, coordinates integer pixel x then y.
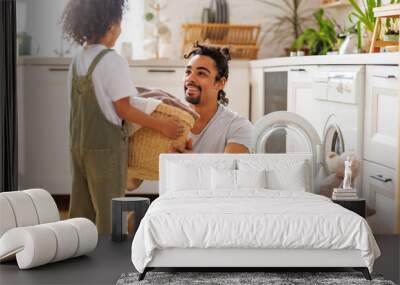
{"type": "Point", "coordinates": [230, 278]}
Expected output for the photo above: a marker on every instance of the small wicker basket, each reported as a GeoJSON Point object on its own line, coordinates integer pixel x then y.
{"type": "Point", "coordinates": [146, 145]}
{"type": "Point", "coordinates": [241, 39]}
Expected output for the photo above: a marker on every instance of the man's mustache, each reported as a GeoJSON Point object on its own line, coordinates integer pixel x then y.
{"type": "Point", "coordinates": [192, 85]}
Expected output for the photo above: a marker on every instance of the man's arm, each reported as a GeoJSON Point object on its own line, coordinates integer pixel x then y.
{"type": "Point", "coordinates": [239, 136]}
{"type": "Point", "coordinates": [235, 148]}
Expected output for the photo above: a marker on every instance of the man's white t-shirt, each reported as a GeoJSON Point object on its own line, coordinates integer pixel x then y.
{"type": "Point", "coordinates": [111, 78]}
{"type": "Point", "coordinates": [224, 127]}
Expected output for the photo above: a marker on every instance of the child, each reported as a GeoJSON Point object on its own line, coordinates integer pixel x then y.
{"type": "Point", "coordinates": [100, 86]}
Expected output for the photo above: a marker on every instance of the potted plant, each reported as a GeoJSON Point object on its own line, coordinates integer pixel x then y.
{"type": "Point", "coordinates": [391, 32]}
{"type": "Point", "coordinates": [364, 20]}
{"type": "Point", "coordinates": [392, 27]}
{"type": "Point", "coordinates": [286, 26]}
{"type": "Point", "coordinates": [320, 41]}
{"type": "Point", "coordinates": [159, 35]}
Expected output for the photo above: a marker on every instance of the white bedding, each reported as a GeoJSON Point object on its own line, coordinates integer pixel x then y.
{"type": "Point", "coordinates": [251, 218]}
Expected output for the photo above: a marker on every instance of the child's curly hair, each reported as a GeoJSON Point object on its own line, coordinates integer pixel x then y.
{"type": "Point", "coordinates": [221, 57]}
{"type": "Point", "coordinates": [89, 20]}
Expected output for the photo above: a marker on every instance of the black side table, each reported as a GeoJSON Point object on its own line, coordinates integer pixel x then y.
{"type": "Point", "coordinates": [139, 205]}
{"type": "Point", "coordinates": [357, 206]}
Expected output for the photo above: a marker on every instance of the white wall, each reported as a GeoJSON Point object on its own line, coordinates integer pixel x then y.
{"type": "Point", "coordinates": [40, 18]}
{"type": "Point", "coordinates": [241, 12]}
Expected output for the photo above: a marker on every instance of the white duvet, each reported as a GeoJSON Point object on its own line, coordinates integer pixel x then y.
{"type": "Point", "coordinates": [253, 218]}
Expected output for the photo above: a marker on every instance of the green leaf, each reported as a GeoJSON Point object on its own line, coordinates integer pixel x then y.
{"type": "Point", "coordinates": [149, 16]}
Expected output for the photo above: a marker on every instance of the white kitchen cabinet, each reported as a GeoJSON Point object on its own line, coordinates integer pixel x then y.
{"type": "Point", "coordinates": [381, 114]}
{"type": "Point", "coordinates": [45, 149]}
{"type": "Point", "coordinates": [257, 94]}
{"type": "Point", "coordinates": [171, 79]}
{"type": "Point", "coordinates": [301, 96]}
{"type": "Point", "coordinates": [237, 90]}
{"type": "Point", "coordinates": [379, 191]}
{"type": "Point", "coordinates": [300, 92]}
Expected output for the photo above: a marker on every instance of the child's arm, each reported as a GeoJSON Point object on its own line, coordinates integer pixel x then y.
{"type": "Point", "coordinates": [169, 127]}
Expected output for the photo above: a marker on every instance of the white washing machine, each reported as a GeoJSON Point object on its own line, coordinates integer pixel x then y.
{"type": "Point", "coordinates": [332, 107]}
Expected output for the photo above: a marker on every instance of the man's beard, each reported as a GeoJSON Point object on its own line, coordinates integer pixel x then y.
{"type": "Point", "coordinates": [191, 99]}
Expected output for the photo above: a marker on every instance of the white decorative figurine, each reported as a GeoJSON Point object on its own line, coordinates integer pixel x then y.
{"type": "Point", "coordinates": [347, 174]}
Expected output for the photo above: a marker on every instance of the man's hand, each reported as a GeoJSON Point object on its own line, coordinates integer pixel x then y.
{"type": "Point", "coordinates": [171, 128]}
{"type": "Point", "coordinates": [235, 148]}
{"type": "Point", "coordinates": [188, 148]}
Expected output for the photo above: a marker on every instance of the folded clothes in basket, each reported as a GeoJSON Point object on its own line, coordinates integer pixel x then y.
{"type": "Point", "coordinates": [145, 145]}
{"type": "Point", "coordinates": [166, 98]}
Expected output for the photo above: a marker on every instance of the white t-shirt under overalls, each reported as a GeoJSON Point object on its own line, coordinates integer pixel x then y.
{"type": "Point", "coordinates": [111, 78]}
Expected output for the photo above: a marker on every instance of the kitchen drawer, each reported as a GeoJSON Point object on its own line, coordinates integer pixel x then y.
{"type": "Point", "coordinates": [301, 74]}
{"type": "Point", "coordinates": [169, 79]}
{"type": "Point", "coordinates": [381, 114]}
{"type": "Point", "coordinates": [379, 191]}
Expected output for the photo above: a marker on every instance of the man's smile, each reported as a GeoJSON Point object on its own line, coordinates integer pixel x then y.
{"type": "Point", "coordinates": [192, 89]}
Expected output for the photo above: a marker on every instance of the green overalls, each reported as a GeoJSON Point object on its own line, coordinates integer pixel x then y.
{"type": "Point", "coordinates": [99, 153]}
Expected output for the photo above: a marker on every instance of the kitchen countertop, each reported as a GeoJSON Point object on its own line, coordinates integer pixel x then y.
{"type": "Point", "coordinates": [65, 61]}
{"type": "Point", "coordinates": [364, 58]}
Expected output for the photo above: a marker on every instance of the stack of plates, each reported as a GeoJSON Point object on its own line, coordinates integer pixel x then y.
{"type": "Point", "coordinates": [216, 13]}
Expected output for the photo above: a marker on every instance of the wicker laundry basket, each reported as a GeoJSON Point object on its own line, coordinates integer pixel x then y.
{"type": "Point", "coordinates": [146, 145]}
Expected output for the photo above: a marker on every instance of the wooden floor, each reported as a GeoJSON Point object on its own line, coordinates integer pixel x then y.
{"type": "Point", "coordinates": [110, 259]}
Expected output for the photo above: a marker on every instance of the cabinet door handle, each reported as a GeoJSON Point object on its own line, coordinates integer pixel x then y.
{"type": "Point", "coordinates": [381, 178]}
{"type": "Point", "coordinates": [389, 76]}
{"type": "Point", "coordinates": [161, 70]}
{"type": "Point", "coordinates": [58, 69]}
{"type": "Point", "coordinates": [298, 69]}
{"type": "Point", "coordinates": [339, 76]}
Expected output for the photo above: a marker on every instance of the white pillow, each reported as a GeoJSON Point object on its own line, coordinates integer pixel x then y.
{"type": "Point", "coordinates": [290, 177]}
{"type": "Point", "coordinates": [190, 176]}
{"type": "Point", "coordinates": [281, 174]}
{"type": "Point", "coordinates": [251, 178]}
{"type": "Point", "coordinates": [223, 179]}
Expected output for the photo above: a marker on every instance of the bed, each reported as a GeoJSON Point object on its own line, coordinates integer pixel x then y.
{"type": "Point", "coordinates": [247, 210]}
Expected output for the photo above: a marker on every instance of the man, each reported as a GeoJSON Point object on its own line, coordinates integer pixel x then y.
{"type": "Point", "coordinates": [218, 130]}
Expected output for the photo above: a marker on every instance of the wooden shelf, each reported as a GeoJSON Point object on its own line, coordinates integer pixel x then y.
{"type": "Point", "coordinates": [380, 43]}
{"type": "Point", "coordinates": [335, 4]}
{"type": "Point", "coordinates": [391, 11]}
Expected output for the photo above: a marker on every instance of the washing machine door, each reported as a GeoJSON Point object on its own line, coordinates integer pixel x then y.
{"type": "Point", "coordinates": [332, 140]}
{"type": "Point", "coordinates": [287, 132]}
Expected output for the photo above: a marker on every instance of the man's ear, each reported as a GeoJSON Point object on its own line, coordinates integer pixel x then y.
{"type": "Point", "coordinates": [221, 83]}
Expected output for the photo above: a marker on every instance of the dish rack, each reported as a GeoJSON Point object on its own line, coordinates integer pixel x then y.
{"type": "Point", "coordinates": [240, 39]}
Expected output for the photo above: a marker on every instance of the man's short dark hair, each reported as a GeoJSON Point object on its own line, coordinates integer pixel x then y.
{"type": "Point", "coordinates": [89, 20]}
{"type": "Point", "coordinates": [221, 57]}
